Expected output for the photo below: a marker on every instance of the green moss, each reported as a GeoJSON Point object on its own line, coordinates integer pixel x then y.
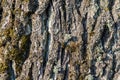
{"type": "Point", "coordinates": [19, 53]}
{"type": "Point", "coordinates": [23, 41]}
{"type": "Point", "coordinates": [3, 67]}
{"type": "Point", "coordinates": [11, 32]}
{"type": "Point", "coordinates": [4, 37]}
{"type": "Point", "coordinates": [106, 9]}
{"type": "Point", "coordinates": [14, 51]}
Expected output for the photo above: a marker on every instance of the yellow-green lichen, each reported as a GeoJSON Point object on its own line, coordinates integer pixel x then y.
{"type": "Point", "coordinates": [3, 67]}
{"type": "Point", "coordinates": [11, 32]}
{"type": "Point", "coordinates": [23, 42]}
{"type": "Point", "coordinates": [106, 9]}
{"type": "Point", "coordinates": [14, 51]}
{"type": "Point", "coordinates": [4, 37]}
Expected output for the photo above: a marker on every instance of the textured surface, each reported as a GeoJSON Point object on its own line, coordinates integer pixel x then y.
{"type": "Point", "coordinates": [59, 39]}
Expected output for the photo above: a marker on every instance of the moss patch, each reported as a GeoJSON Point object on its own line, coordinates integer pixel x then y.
{"type": "Point", "coordinates": [3, 67]}
{"type": "Point", "coordinates": [24, 42]}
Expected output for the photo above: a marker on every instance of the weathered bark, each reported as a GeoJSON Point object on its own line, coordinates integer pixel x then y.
{"type": "Point", "coordinates": [59, 39]}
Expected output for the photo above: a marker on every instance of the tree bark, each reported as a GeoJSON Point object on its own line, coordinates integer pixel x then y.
{"type": "Point", "coordinates": [59, 39]}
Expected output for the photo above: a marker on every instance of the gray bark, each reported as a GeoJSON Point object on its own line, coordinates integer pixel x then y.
{"type": "Point", "coordinates": [59, 39]}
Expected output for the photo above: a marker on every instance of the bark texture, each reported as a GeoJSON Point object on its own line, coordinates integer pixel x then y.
{"type": "Point", "coordinates": [59, 39]}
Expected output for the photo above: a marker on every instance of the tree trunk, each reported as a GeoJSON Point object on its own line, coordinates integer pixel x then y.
{"type": "Point", "coordinates": [59, 39]}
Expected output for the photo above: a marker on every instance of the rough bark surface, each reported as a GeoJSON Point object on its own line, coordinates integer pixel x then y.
{"type": "Point", "coordinates": [59, 39]}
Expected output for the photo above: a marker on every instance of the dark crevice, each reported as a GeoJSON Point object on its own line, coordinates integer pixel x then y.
{"type": "Point", "coordinates": [111, 74]}
{"type": "Point", "coordinates": [1, 11]}
{"type": "Point", "coordinates": [94, 24]}
{"type": "Point", "coordinates": [30, 76]}
{"type": "Point", "coordinates": [46, 51]}
{"type": "Point", "coordinates": [77, 67]}
{"type": "Point", "coordinates": [84, 37]}
{"type": "Point", "coordinates": [66, 72]}
{"type": "Point", "coordinates": [104, 36]}
{"type": "Point", "coordinates": [52, 75]}
{"type": "Point", "coordinates": [62, 54]}
{"type": "Point", "coordinates": [58, 51]}
{"type": "Point", "coordinates": [96, 15]}
{"type": "Point", "coordinates": [110, 7]}
{"type": "Point", "coordinates": [92, 67]}
{"type": "Point", "coordinates": [13, 15]}
{"type": "Point", "coordinates": [69, 22]}
{"type": "Point", "coordinates": [64, 16]}
{"type": "Point", "coordinates": [116, 28]}
{"type": "Point", "coordinates": [60, 20]}
{"type": "Point", "coordinates": [11, 71]}
{"type": "Point", "coordinates": [51, 3]}
{"type": "Point", "coordinates": [13, 5]}
{"type": "Point", "coordinates": [48, 38]}
{"type": "Point", "coordinates": [33, 5]}
{"type": "Point", "coordinates": [69, 29]}
{"type": "Point", "coordinates": [77, 6]}
{"type": "Point", "coordinates": [69, 14]}
{"type": "Point", "coordinates": [113, 66]}
{"type": "Point", "coordinates": [64, 9]}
